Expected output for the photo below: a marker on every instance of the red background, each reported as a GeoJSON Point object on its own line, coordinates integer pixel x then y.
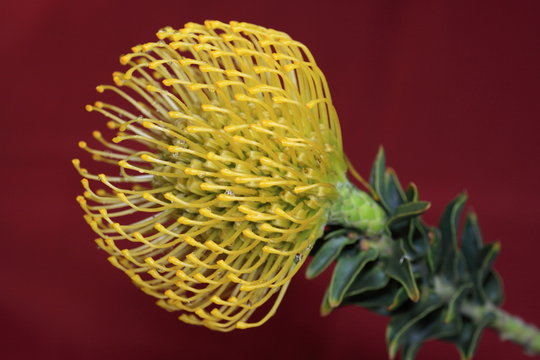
{"type": "Point", "coordinates": [449, 88]}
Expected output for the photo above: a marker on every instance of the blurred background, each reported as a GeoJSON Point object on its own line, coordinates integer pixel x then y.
{"type": "Point", "coordinates": [450, 88]}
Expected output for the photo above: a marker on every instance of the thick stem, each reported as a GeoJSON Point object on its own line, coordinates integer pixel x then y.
{"type": "Point", "coordinates": [508, 326]}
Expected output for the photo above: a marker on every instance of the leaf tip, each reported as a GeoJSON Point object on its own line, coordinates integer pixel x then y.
{"type": "Point", "coordinates": [310, 274]}
{"type": "Point", "coordinates": [333, 302]}
{"type": "Point", "coordinates": [415, 296]}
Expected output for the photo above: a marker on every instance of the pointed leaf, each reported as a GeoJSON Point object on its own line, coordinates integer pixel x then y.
{"type": "Point", "coordinates": [468, 337]}
{"type": "Point", "coordinates": [488, 255]}
{"type": "Point", "coordinates": [399, 268]}
{"type": "Point", "coordinates": [393, 193]}
{"type": "Point", "coordinates": [489, 287]}
{"type": "Point", "coordinates": [471, 242]}
{"type": "Point", "coordinates": [376, 300]}
{"type": "Point", "coordinates": [326, 309]}
{"type": "Point", "coordinates": [400, 297]}
{"type": "Point", "coordinates": [450, 219]}
{"type": "Point", "coordinates": [376, 178]}
{"type": "Point", "coordinates": [328, 252]}
{"type": "Point", "coordinates": [347, 268]}
{"type": "Point", "coordinates": [453, 304]}
{"type": "Point", "coordinates": [408, 352]}
{"type": "Point", "coordinates": [431, 326]}
{"type": "Point", "coordinates": [377, 169]}
{"type": "Point", "coordinates": [408, 210]}
{"type": "Point", "coordinates": [402, 273]}
{"type": "Point", "coordinates": [418, 238]}
{"type": "Point", "coordinates": [412, 193]}
{"type": "Point", "coordinates": [493, 288]}
{"type": "Point", "coordinates": [448, 225]}
{"type": "Point", "coordinates": [434, 253]}
{"type": "Point", "coordinates": [461, 265]}
{"type": "Point", "coordinates": [396, 194]}
{"type": "Point", "coordinates": [336, 233]}
{"type": "Point", "coordinates": [399, 324]}
{"type": "Point", "coordinates": [367, 280]}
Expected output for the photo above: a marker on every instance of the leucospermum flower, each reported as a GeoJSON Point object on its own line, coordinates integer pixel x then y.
{"type": "Point", "coordinates": [229, 155]}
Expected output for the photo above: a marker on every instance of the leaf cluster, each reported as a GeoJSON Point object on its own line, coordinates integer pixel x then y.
{"type": "Point", "coordinates": [419, 276]}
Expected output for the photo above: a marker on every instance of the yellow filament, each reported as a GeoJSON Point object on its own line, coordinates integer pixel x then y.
{"type": "Point", "coordinates": [361, 180]}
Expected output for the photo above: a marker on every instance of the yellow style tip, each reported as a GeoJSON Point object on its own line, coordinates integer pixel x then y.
{"type": "Point", "coordinates": [124, 59]}
{"type": "Point", "coordinates": [242, 325]}
{"type": "Point", "coordinates": [146, 157]}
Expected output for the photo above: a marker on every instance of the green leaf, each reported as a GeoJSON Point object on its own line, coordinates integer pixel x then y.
{"type": "Point", "coordinates": [370, 279]}
{"type": "Point", "coordinates": [393, 193]}
{"type": "Point", "coordinates": [434, 253]}
{"type": "Point", "coordinates": [326, 309]}
{"type": "Point", "coordinates": [488, 255]}
{"type": "Point", "coordinates": [471, 242]}
{"type": "Point", "coordinates": [398, 267]}
{"type": "Point", "coordinates": [377, 169]}
{"type": "Point", "coordinates": [431, 326]}
{"type": "Point", "coordinates": [377, 178]}
{"type": "Point", "coordinates": [407, 211]}
{"type": "Point", "coordinates": [336, 233]}
{"type": "Point", "coordinates": [402, 273]}
{"type": "Point", "coordinates": [417, 238]}
{"type": "Point", "coordinates": [347, 268]}
{"type": "Point", "coordinates": [468, 337]}
{"type": "Point", "coordinates": [401, 323]}
{"type": "Point", "coordinates": [489, 287]}
{"type": "Point", "coordinates": [400, 297]}
{"type": "Point", "coordinates": [376, 300]}
{"type": "Point", "coordinates": [396, 195]}
{"type": "Point", "coordinates": [328, 252]}
{"type": "Point", "coordinates": [448, 225]}
{"type": "Point", "coordinates": [461, 266]}
{"type": "Point", "coordinates": [453, 304]}
{"type": "Point", "coordinates": [409, 350]}
{"type": "Point", "coordinates": [493, 288]}
{"type": "Point", "coordinates": [412, 193]}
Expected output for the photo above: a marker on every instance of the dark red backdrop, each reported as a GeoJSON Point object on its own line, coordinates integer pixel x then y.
{"type": "Point", "coordinates": [451, 90]}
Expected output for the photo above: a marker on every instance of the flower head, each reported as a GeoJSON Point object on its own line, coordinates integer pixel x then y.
{"type": "Point", "coordinates": [228, 152]}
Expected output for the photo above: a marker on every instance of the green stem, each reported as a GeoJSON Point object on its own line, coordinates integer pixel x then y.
{"type": "Point", "coordinates": [508, 326]}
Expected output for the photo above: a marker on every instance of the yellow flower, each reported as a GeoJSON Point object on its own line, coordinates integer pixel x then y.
{"type": "Point", "coordinates": [230, 153]}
